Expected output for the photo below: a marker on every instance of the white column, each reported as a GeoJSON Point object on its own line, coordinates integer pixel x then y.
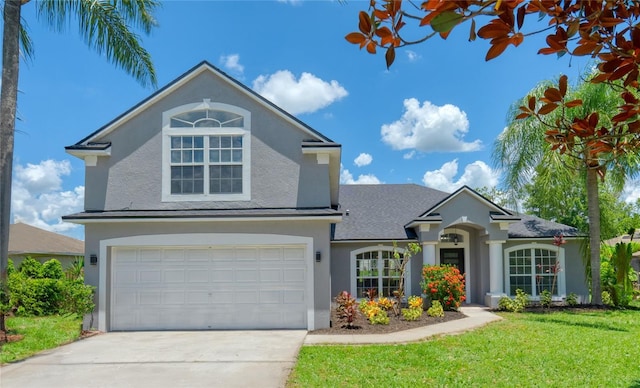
{"type": "Point", "coordinates": [496, 274]}
{"type": "Point", "coordinates": [429, 253]}
{"type": "Point", "coordinates": [496, 267]}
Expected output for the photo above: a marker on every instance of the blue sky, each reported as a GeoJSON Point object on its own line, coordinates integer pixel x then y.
{"type": "Point", "coordinates": [431, 119]}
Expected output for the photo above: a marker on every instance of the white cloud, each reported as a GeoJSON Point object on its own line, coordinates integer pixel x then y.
{"type": "Point", "coordinates": [232, 62]}
{"type": "Point", "coordinates": [476, 174]}
{"type": "Point", "coordinates": [409, 155]}
{"type": "Point", "coordinates": [412, 55]}
{"type": "Point", "coordinates": [37, 197]}
{"type": "Point", "coordinates": [346, 178]}
{"type": "Point", "coordinates": [306, 95]}
{"type": "Point", "coordinates": [363, 159]}
{"type": "Point", "coordinates": [429, 128]}
{"type": "Point", "coordinates": [631, 192]}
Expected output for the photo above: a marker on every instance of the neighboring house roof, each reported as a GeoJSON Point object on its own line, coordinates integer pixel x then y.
{"type": "Point", "coordinates": [625, 239]}
{"type": "Point", "coordinates": [26, 239]}
{"type": "Point", "coordinates": [381, 212]}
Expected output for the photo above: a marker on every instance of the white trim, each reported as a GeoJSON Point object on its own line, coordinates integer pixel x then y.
{"type": "Point", "coordinates": [82, 221]}
{"type": "Point", "coordinates": [352, 267]}
{"type": "Point", "coordinates": [168, 131]}
{"type": "Point", "coordinates": [201, 239]}
{"type": "Point", "coordinates": [561, 281]}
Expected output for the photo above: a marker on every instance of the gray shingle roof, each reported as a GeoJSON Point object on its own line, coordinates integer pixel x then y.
{"type": "Point", "coordinates": [381, 211]}
{"type": "Point", "coordinates": [202, 213]}
{"type": "Point", "coordinates": [532, 227]}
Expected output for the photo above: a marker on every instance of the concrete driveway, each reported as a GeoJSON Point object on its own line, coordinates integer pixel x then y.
{"type": "Point", "coordinates": [163, 359]}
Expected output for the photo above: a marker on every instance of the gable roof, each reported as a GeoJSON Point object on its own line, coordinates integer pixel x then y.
{"type": "Point", "coordinates": [384, 212]}
{"type": "Point", "coordinates": [373, 212]}
{"type": "Point", "coordinates": [27, 239]}
{"type": "Point", "coordinates": [90, 141]}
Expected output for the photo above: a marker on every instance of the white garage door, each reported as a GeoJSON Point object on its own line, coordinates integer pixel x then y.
{"type": "Point", "coordinates": [240, 287]}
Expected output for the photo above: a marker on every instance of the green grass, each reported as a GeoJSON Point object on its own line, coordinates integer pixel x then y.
{"type": "Point", "coordinates": [560, 349]}
{"type": "Point", "coordinates": [39, 333]}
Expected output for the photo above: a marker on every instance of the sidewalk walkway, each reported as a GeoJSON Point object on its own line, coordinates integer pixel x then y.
{"type": "Point", "coordinates": [476, 317]}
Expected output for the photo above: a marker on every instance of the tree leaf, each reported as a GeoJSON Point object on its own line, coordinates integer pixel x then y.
{"type": "Point", "coordinates": [547, 108]}
{"type": "Point", "coordinates": [553, 95]}
{"type": "Point", "coordinates": [573, 103]}
{"type": "Point", "coordinates": [371, 47]}
{"type": "Point", "coordinates": [365, 23]}
{"type": "Point", "coordinates": [562, 84]}
{"type": "Point", "coordinates": [445, 21]}
{"type": "Point", "coordinates": [355, 38]}
{"type": "Point", "coordinates": [496, 49]}
{"type": "Point", "coordinates": [390, 56]}
{"type": "Point", "coordinates": [472, 32]}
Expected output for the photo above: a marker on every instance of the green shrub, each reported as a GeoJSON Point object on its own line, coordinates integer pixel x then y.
{"type": "Point", "coordinates": [436, 309]}
{"type": "Point", "coordinates": [11, 267]}
{"type": "Point", "coordinates": [52, 269]}
{"type": "Point", "coordinates": [606, 299]}
{"type": "Point", "coordinates": [572, 299]}
{"type": "Point", "coordinates": [379, 317]}
{"type": "Point", "coordinates": [445, 284]}
{"type": "Point", "coordinates": [516, 305]}
{"type": "Point", "coordinates": [545, 299]}
{"type": "Point", "coordinates": [411, 314]}
{"type": "Point", "coordinates": [31, 268]}
{"type": "Point", "coordinates": [76, 297]}
{"type": "Point", "coordinates": [34, 297]}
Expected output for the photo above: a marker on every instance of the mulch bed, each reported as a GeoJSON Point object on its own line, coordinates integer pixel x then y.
{"type": "Point", "coordinates": [9, 337]}
{"type": "Point", "coordinates": [362, 325]}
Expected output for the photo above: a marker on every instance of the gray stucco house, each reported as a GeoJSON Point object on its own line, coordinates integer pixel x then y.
{"type": "Point", "coordinates": [209, 207]}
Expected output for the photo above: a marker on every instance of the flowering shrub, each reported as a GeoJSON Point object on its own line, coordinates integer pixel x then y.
{"type": "Point", "coordinates": [414, 312]}
{"type": "Point", "coordinates": [415, 302]}
{"type": "Point", "coordinates": [378, 316]}
{"type": "Point", "coordinates": [385, 303]}
{"type": "Point", "coordinates": [436, 309]}
{"type": "Point", "coordinates": [445, 284]}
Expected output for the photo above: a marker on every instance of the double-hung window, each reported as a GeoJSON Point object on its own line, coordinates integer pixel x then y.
{"type": "Point", "coordinates": [206, 153]}
{"type": "Point", "coordinates": [534, 268]}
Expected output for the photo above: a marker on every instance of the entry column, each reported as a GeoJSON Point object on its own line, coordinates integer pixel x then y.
{"type": "Point", "coordinates": [496, 274]}
{"type": "Point", "coordinates": [429, 252]}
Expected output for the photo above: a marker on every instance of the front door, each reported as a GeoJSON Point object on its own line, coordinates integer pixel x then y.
{"type": "Point", "coordinates": [454, 257]}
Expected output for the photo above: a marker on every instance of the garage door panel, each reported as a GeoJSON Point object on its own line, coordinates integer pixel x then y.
{"type": "Point", "coordinates": [150, 276]}
{"type": "Point", "coordinates": [209, 288]}
{"type": "Point", "coordinates": [200, 275]}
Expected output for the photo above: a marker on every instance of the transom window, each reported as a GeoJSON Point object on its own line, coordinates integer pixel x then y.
{"type": "Point", "coordinates": [206, 153]}
{"type": "Point", "coordinates": [375, 269]}
{"type": "Point", "coordinates": [531, 269]}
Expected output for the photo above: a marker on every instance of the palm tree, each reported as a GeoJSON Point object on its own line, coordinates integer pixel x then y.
{"type": "Point", "coordinates": [522, 152]}
{"type": "Point", "coordinates": [106, 26]}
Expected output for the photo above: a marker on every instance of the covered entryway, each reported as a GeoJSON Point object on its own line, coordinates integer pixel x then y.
{"type": "Point", "coordinates": [208, 287]}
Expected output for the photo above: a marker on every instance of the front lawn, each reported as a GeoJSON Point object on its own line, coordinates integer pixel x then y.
{"type": "Point", "coordinates": [593, 348]}
{"type": "Point", "coordinates": [38, 334]}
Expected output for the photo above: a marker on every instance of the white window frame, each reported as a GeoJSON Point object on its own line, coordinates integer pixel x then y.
{"type": "Point", "coordinates": [379, 249]}
{"type": "Point", "coordinates": [561, 291]}
{"type": "Point", "coordinates": [168, 132]}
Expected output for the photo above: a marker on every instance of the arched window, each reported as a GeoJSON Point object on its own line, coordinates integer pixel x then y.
{"type": "Point", "coordinates": [375, 268]}
{"type": "Point", "coordinates": [534, 268]}
{"type": "Point", "coordinates": [206, 153]}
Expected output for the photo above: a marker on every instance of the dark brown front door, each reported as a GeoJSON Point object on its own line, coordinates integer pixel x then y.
{"type": "Point", "coordinates": [454, 257]}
